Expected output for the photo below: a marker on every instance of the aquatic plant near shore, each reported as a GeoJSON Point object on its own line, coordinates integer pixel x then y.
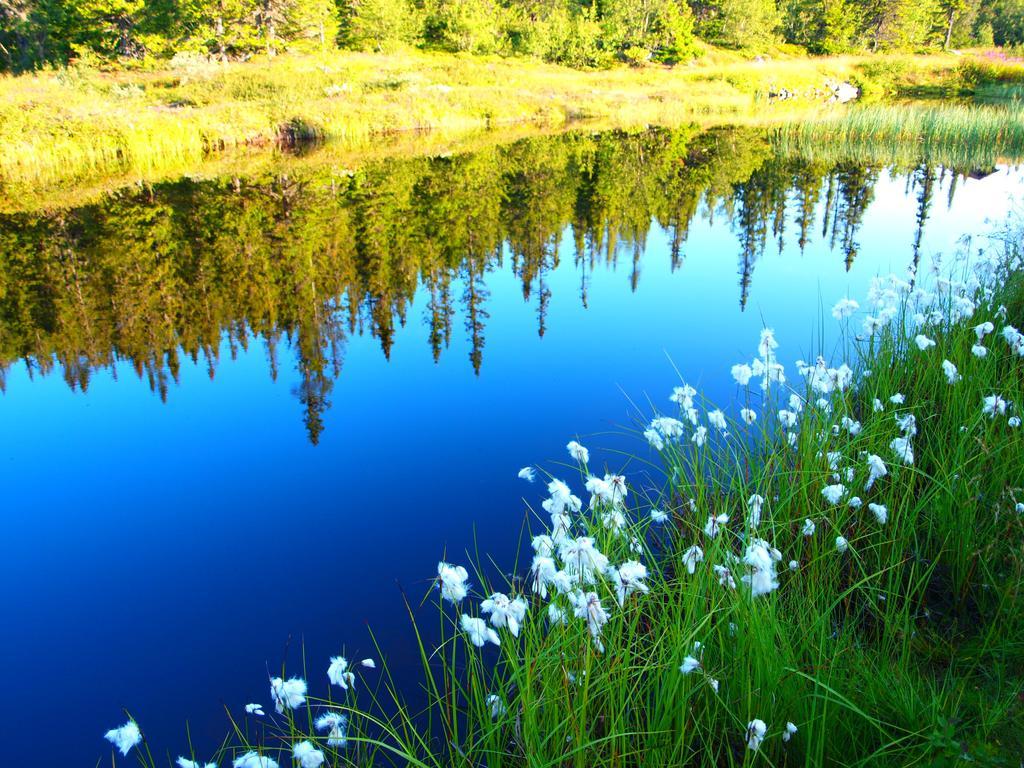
{"type": "Point", "coordinates": [253, 759]}
{"type": "Point", "coordinates": [125, 737]}
{"type": "Point", "coordinates": [336, 725]}
{"type": "Point", "coordinates": [307, 755]}
{"type": "Point", "coordinates": [339, 674]}
{"type": "Point", "coordinates": [184, 762]}
{"type": "Point", "coordinates": [598, 653]}
{"type": "Point", "coordinates": [453, 582]}
{"type": "Point", "coordinates": [287, 694]}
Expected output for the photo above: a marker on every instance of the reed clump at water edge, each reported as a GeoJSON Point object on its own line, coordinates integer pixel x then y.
{"type": "Point", "coordinates": [827, 572]}
{"type": "Point", "coordinates": [956, 135]}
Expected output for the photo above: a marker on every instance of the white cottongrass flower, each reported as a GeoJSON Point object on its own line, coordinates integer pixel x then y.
{"type": "Point", "coordinates": [808, 529]}
{"type": "Point", "coordinates": [756, 729]}
{"type": "Point", "coordinates": [907, 423]}
{"type": "Point", "coordinates": [667, 426]}
{"type": "Point", "coordinates": [1013, 421]}
{"type": "Point", "coordinates": [850, 425]}
{"type": "Point", "coordinates": [125, 737]}
{"type": "Point", "coordinates": [714, 524]}
{"type": "Point", "coordinates": [717, 420]}
{"type": "Point", "coordinates": [184, 762]}
{"type": "Point", "coordinates": [923, 342]}
{"type": "Point", "coordinates": [496, 706]}
{"type": "Point", "coordinates": [368, 663]}
{"type": "Point", "coordinates": [742, 373]}
{"type": "Point", "coordinates": [876, 470]}
{"type": "Point", "coordinates": [767, 345]}
{"type": "Point", "coordinates": [290, 693]}
{"type": "Point", "coordinates": [725, 577]}
{"type": "Point", "coordinates": [542, 545]}
{"type": "Point", "coordinates": [1019, 508]}
{"type": "Point", "coordinates": [556, 615]}
{"type": "Point", "coordinates": [700, 436]}
{"type": "Point", "coordinates": [993, 406]}
{"type": "Point", "coordinates": [578, 452]}
{"type": "Point", "coordinates": [791, 729]}
{"type": "Point", "coordinates": [903, 448]}
{"type": "Point", "coordinates": [655, 439]}
{"type": "Point", "coordinates": [588, 606]}
{"type": "Point", "coordinates": [254, 760]}
{"type": "Point", "coordinates": [794, 565]}
{"type": "Point", "coordinates": [761, 564]}
{"type": "Point", "coordinates": [627, 579]}
{"type": "Point", "coordinates": [952, 375]}
{"type": "Point", "coordinates": [683, 395]}
{"type": "Point", "coordinates": [1015, 339]}
{"type": "Point", "coordinates": [787, 419]}
{"type": "Point", "coordinates": [543, 573]}
{"type": "Point", "coordinates": [844, 308]}
{"type": "Point", "coordinates": [897, 399]}
{"type": "Point", "coordinates": [979, 350]}
{"type": "Point", "coordinates": [561, 499]}
{"type": "Point", "coordinates": [749, 416]}
{"type": "Point", "coordinates": [880, 511]}
{"type": "Point", "coordinates": [452, 579]}
{"type": "Point", "coordinates": [877, 406]}
{"type": "Point", "coordinates": [505, 612]}
{"type": "Point", "coordinates": [336, 725]}
{"type": "Point", "coordinates": [307, 755]}
{"type": "Point", "coordinates": [690, 664]}
{"type": "Point", "coordinates": [755, 504]}
{"type": "Point", "coordinates": [855, 502]}
{"type": "Point", "coordinates": [611, 489]}
{"type": "Point", "coordinates": [339, 674]}
{"type": "Point", "coordinates": [478, 632]}
{"type": "Point", "coordinates": [834, 493]}
{"type": "Point", "coordinates": [983, 330]}
{"type": "Point", "coordinates": [527, 474]}
{"type": "Point", "coordinates": [254, 709]}
{"type": "Point", "coordinates": [873, 325]}
{"type": "Point", "coordinates": [841, 545]}
{"type": "Point", "coordinates": [658, 516]}
{"type": "Point", "coordinates": [582, 559]}
{"type": "Point", "coordinates": [613, 519]}
{"type": "Point", "coordinates": [691, 557]}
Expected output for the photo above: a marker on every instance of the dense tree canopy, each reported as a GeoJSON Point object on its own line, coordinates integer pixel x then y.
{"type": "Point", "coordinates": [308, 257]}
{"type": "Point", "coordinates": [584, 33]}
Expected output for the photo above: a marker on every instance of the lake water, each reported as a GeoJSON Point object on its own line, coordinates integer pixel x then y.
{"type": "Point", "coordinates": [243, 414]}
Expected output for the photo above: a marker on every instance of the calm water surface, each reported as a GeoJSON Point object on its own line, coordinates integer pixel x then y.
{"type": "Point", "coordinates": [242, 414]}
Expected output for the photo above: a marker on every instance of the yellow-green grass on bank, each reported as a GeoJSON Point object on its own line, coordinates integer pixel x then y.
{"type": "Point", "coordinates": [954, 135]}
{"type": "Point", "coordinates": [57, 127]}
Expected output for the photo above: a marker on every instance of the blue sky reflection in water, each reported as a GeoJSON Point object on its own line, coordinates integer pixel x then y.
{"type": "Point", "coordinates": [159, 555]}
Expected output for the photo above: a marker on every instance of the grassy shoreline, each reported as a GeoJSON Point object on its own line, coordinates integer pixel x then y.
{"type": "Point", "coordinates": [77, 125]}
{"type": "Point", "coordinates": [832, 577]}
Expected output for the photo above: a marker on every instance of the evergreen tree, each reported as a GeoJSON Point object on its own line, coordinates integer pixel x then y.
{"type": "Point", "coordinates": [902, 24]}
{"type": "Point", "coordinates": [738, 23]}
{"type": "Point", "coordinates": [475, 26]}
{"type": "Point", "coordinates": [311, 24]}
{"type": "Point", "coordinates": [108, 27]}
{"type": "Point", "coordinates": [379, 24]}
{"type": "Point", "coordinates": [663, 29]}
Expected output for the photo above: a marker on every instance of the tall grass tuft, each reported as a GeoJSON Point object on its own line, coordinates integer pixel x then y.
{"type": "Point", "coordinates": [959, 136]}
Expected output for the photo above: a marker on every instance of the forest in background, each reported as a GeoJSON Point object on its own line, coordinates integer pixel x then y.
{"type": "Point", "coordinates": [581, 33]}
{"type": "Point", "coordinates": [311, 258]}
